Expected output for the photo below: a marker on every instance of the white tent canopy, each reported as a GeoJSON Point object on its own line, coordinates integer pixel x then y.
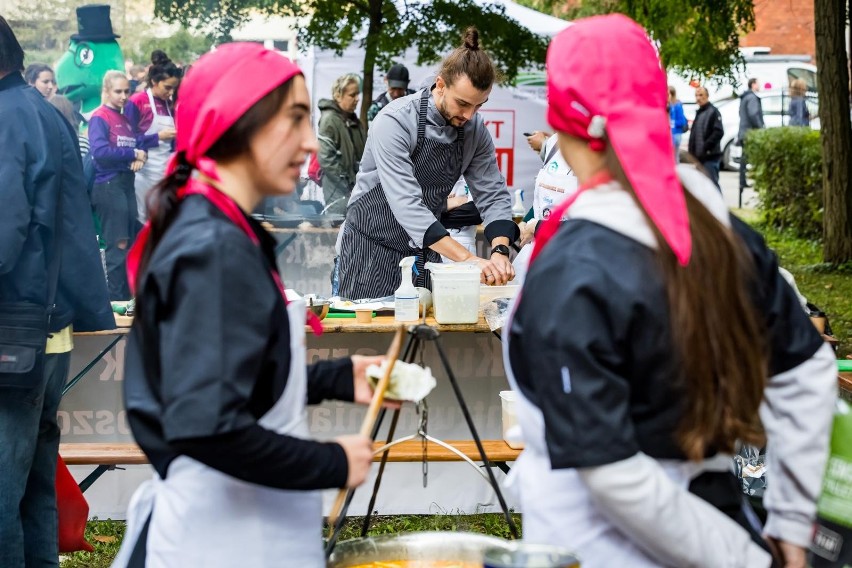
{"type": "Point", "coordinates": [534, 21]}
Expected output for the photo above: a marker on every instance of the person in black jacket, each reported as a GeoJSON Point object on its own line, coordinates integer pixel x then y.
{"type": "Point", "coordinates": [50, 278]}
{"type": "Point", "coordinates": [707, 132]}
{"type": "Point", "coordinates": [751, 117]}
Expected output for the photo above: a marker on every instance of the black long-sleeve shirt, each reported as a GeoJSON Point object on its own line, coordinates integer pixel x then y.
{"type": "Point", "coordinates": [209, 355]}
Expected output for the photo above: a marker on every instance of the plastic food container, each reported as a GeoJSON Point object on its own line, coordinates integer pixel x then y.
{"type": "Point", "coordinates": [511, 429]}
{"type": "Point", "coordinates": [455, 292]}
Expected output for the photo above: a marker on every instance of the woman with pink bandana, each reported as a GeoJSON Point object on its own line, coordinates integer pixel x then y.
{"type": "Point", "coordinates": [216, 380]}
{"type": "Point", "coordinates": [654, 333]}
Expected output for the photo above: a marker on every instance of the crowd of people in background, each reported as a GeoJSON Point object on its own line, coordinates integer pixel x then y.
{"type": "Point", "coordinates": [127, 142]}
{"type": "Point", "coordinates": [125, 145]}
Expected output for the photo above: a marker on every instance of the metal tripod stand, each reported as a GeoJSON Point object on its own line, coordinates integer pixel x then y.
{"type": "Point", "coordinates": [418, 335]}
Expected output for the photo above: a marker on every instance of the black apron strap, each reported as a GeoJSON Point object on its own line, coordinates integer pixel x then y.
{"type": "Point", "coordinates": [721, 489]}
{"type": "Point", "coordinates": [551, 154]}
{"type": "Point", "coordinates": [138, 556]}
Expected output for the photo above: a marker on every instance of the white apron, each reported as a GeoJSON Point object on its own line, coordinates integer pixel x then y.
{"type": "Point", "coordinates": [554, 182]}
{"type": "Point", "coordinates": [154, 168]}
{"type": "Point", "coordinates": [203, 517]}
{"type": "Point", "coordinates": [552, 185]}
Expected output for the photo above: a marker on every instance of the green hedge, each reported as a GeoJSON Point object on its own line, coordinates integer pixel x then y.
{"type": "Point", "coordinates": [788, 178]}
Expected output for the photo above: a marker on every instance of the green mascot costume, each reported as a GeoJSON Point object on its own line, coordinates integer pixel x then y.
{"type": "Point", "coordinates": [92, 52]}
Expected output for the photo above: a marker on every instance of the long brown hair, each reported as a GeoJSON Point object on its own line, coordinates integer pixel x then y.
{"type": "Point", "coordinates": [716, 330]}
{"type": "Point", "coordinates": [162, 201]}
{"type": "Point", "coordinates": [468, 59]}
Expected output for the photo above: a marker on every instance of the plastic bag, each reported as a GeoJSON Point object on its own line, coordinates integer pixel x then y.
{"type": "Point", "coordinates": [407, 381]}
{"type": "Point", "coordinates": [750, 469]}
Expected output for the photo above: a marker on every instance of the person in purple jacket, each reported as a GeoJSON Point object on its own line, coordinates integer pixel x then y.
{"type": "Point", "coordinates": [118, 153]}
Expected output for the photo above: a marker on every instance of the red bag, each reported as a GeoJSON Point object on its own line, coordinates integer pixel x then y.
{"type": "Point", "coordinates": [315, 170]}
{"type": "Point", "coordinates": [73, 511]}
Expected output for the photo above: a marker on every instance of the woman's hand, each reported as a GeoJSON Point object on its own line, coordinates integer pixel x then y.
{"type": "Point", "coordinates": [363, 388]}
{"type": "Point", "coordinates": [359, 457]}
{"type": "Point", "coordinates": [136, 165]}
{"type": "Point", "coordinates": [787, 554]}
{"type": "Point", "coordinates": [528, 231]}
{"type": "Point", "coordinates": [166, 134]}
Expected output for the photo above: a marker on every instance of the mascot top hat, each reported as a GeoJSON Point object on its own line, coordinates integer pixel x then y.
{"type": "Point", "coordinates": [94, 24]}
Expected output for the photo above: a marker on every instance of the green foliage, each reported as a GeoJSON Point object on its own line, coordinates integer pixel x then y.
{"type": "Point", "coordinates": [438, 26]}
{"type": "Point", "coordinates": [182, 47]}
{"type": "Point", "coordinates": [44, 28]}
{"type": "Point", "coordinates": [222, 16]}
{"type": "Point", "coordinates": [788, 178]}
{"type": "Point", "coordinates": [383, 28]}
{"type": "Point", "coordinates": [699, 38]}
{"type": "Point", "coordinates": [493, 524]}
{"type": "Point", "coordinates": [827, 286]}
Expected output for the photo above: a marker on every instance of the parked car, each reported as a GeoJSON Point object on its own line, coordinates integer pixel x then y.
{"type": "Point", "coordinates": [776, 112]}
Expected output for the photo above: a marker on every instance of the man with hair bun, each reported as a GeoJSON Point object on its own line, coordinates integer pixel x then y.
{"type": "Point", "coordinates": [417, 148]}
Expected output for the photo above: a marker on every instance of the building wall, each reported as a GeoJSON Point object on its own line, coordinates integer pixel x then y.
{"type": "Point", "coordinates": [785, 26]}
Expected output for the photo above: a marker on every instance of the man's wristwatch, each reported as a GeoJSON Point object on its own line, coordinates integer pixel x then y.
{"type": "Point", "coordinates": [500, 249]}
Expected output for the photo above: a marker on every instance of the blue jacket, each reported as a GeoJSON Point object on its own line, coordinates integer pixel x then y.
{"type": "Point", "coordinates": [41, 163]}
{"type": "Point", "coordinates": [677, 119]}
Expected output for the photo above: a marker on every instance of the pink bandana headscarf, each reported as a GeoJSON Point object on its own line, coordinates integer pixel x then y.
{"type": "Point", "coordinates": [216, 92]}
{"type": "Point", "coordinates": [604, 77]}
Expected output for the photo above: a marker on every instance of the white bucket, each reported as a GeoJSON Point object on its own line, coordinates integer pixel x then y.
{"type": "Point", "coordinates": [455, 292]}
{"type": "Point", "coordinates": [511, 428]}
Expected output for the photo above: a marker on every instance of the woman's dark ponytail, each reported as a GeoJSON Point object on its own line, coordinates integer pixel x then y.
{"type": "Point", "coordinates": [162, 68]}
{"type": "Point", "coordinates": [162, 207]}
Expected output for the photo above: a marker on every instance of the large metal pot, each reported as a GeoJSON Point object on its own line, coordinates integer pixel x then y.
{"type": "Point", "coordinates": [421, 546]}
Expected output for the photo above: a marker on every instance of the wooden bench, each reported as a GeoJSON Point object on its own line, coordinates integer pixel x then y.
{"type": "Point", "coordinates": [108, 455]}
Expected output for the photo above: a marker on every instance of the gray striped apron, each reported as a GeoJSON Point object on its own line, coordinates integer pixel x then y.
{"type": "Point", "coordinates": [373, 241]}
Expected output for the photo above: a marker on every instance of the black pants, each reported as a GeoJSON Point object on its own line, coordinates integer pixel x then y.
{"type": "Point", "coordinates": [114, 202]}
{"type": "Point", "coordinates": [743, 168]}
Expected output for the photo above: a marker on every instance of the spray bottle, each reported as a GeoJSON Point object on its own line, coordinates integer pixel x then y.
{"type": "Point", "coordinates": [406, 300]}
{"type": "Point", "coordinates": [518, 209]}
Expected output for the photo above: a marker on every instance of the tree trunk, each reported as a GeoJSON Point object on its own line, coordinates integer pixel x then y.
{"type": "Point", "coordinates": [373, 31]}
{"type": "Point", "coordinates": [836, 130]}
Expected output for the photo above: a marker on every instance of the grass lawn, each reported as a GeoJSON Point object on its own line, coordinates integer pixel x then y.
{"type": "Point", "coordinates": [827, 287]}
{"type": "Point", "coordinates": [106, 536]}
